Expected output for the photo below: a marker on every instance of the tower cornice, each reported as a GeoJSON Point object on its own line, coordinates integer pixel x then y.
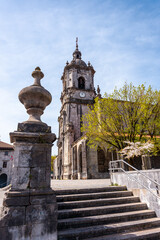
{"type": "Point", "coordinates": [77, 101]}
{"type": "Point", "coordinates": [73, 65]}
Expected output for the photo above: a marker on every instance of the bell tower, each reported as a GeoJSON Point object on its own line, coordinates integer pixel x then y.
{"type": "Point", "coordinates": [78, 92]}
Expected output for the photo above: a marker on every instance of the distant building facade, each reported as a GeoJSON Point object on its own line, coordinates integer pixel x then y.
{"type": "Point", "coordinates": [6, 158]}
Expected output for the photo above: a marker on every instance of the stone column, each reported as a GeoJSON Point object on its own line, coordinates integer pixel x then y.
{"type": "Point", "coordinates": [78, 164]}
{"type": "Point", "coordinates": [146, 162]}
{"type": "Point", "coordinates": [69, 137]}
{"type": "Point", "coordinates": [29, 208]}
{"type": "Point", "coordinates": [75, 162]}
{"type": "Point", "coordinates": [84, 161]}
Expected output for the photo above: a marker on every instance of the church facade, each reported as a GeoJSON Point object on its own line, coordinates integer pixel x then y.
{"type": "Point", "coordinates": [76, 160]}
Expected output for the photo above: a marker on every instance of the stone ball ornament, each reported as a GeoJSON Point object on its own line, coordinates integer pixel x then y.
{"type": "Point", "coordinates": [35, 98]}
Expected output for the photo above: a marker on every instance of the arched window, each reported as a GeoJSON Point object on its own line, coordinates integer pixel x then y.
{"type": "Point", "coordinates": [3, 180]}
{"type": "Point", "coordinates": [81, 83]}
{"type": "Point", "coordinates": [103, 161]}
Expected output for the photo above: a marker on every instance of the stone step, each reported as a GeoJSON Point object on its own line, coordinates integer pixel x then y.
{"type": "Point", "coordinates": [90, 190]}
{"type": "Point", "coordinates": [86, 196]}
{"type": "Point", "coordinates": [92, 211]}
{"type": "Point", "coordinates": [150, 234]}
{"type": "Point", "coordinates": [96, 202]}
{"type": "Point", "coordinates": [101, 230]}
{"type": "Point", "coordinates": [104, 219]}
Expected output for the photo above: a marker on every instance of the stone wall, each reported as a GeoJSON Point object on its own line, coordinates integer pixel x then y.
{"type": "Point", "coordinates": [92, 165]}
{"type": "Point", "coordinates": [139, 188]}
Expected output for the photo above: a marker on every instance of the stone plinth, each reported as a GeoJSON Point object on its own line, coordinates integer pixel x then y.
{"type": "Point", "coordinates": [29, 209]}
{"type": "Point", "coordinates": [29, 214]}
{"type": "Point", "coordinates": [32, 160]}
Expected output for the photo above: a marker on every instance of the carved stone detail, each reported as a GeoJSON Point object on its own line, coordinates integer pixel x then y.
{"type": "Point", "coordinates": [35, 98]}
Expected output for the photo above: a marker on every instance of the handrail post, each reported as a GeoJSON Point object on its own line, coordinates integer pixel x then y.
{"type": "Point", "coordinates": [110, 171]}
{"type": "Point", "coordinates": [157, 189]}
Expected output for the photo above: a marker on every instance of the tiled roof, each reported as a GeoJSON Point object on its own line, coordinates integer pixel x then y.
{"type": "Point", "coordinates": [4, 145]}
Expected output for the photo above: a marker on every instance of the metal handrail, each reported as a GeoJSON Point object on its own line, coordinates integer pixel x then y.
{"type": "Point", "coordinates": [6, 187]}
{"type": "Point", "coordinates": [120, 168]}
{"type": "Point", "coordinates": [135, 170]}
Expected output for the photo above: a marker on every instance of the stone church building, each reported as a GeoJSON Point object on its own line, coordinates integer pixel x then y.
{"type": "Point", "coordinates": [76, 160]}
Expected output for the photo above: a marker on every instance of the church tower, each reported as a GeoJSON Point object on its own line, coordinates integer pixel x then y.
{"type": "Point", "coordinates": [78, 92]}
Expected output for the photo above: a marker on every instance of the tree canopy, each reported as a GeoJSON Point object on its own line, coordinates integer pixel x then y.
{"type": "Point", "coordinates": [128, 114]}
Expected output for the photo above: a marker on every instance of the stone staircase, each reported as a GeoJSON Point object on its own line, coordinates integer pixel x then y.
{"type": "Point", "coordinates": [104, 214]}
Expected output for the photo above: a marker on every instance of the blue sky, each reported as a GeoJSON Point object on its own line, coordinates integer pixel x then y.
{"type": "Point", "coordinates": [121, 39]}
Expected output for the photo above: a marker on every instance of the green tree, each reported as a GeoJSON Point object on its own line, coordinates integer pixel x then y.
{"type": "Point", "coordinates": [128, 114]}
{"type": "Point", "coordinates": [52, 160]}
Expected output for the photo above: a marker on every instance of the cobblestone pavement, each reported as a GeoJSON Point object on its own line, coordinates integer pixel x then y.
{"type": "Point", "coordinates": [78, 184]}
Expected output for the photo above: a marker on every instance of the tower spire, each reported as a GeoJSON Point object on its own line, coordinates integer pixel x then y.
{"type": "Point", "coordinates": [76, 54]}
{"type": "Point", "coordinates": [76, 43]}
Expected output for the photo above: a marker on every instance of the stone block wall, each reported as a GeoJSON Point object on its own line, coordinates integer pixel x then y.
{"type": "Point", "coordinates": [29, 215]}
{"type": "Point", "coordinates": [147, 196]}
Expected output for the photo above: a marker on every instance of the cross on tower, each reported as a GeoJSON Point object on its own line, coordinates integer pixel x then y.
{"type": "Point", "coordinates": [76, 43]}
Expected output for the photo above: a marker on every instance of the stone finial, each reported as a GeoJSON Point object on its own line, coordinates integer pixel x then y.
{"type": "Point", "coordinates": [89, 64]}
{"type": "Point", "coordinates": [98, 91]}
{"type": "Point", "coordinates": [37, 75]}
{"type": "Point", "coordinates": [35, 98]}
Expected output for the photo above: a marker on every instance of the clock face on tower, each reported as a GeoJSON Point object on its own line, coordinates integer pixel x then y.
{"type": "Point", "coordinates": [82, 94]}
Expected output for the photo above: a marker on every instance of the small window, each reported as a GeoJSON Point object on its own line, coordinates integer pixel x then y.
{"type": "Point", "coordinates": [4, 164]}
{"type": "Point", "coordinates": [81, 83]}
{"type": "Point", "coordinates": [6, 153]}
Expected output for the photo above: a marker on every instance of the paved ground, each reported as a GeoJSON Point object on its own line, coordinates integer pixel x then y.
{"type": "Point", "coordinates": [71, 184]}
{"type": "Point", "coordinates": [78, 184]}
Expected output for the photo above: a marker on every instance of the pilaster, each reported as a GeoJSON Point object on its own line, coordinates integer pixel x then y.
{"type": "Point", "coordinates": [84, 161]}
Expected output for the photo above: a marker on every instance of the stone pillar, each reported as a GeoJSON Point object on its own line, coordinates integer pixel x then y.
{"type": "Point", "coordinates": [72, 160]}
{"type": "Point", "coordinates": [29, 209]}
{"type": "Point", "coordinates": [75, 162]}
{"type": "Point", "coordinates": [84, 161]}
{"type": "Point", "coordinates": [69, 138]}
{"type": "Point", "coordinates": [78, 163]}
{"type": "Point", "coordinates": [146, 162]}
